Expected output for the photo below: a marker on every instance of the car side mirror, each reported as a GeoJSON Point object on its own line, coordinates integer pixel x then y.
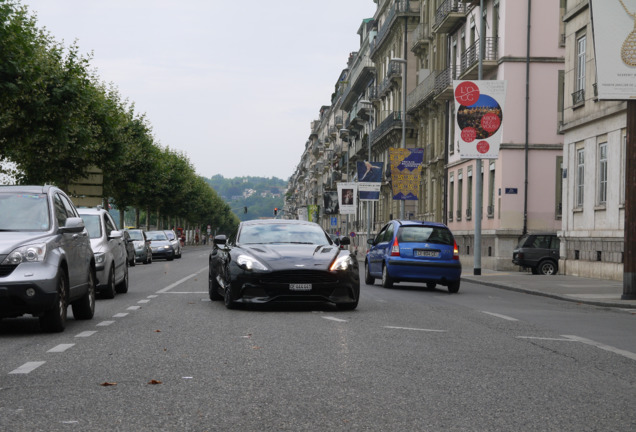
{"type": "Point", "coordinates": [220, 240]}
{"type": "Point", "coordinates": [344, 241]}
{"type": "Point", "coordinates": [115, 235]}
{"type": "Point", "coordinates": [73, 225]}
{"type": "Point", "coordinates": [371, 242]}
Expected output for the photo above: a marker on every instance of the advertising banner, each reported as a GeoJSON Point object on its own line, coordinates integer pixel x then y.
{"type": "Point", "coordinates": [614, 29]}
{"type": "Point", "coordinates": [347, 197]}
{"type": "Point", "coordinates": [406, 168]}
{"type": "Point", "coordinates": [313, 211]}
{"type": "Point", "coordinates": [330, 199]}
{"type": "Point", "coordinates": [479, 107]}
{"type": "Point", "coordinates": [369, 180]}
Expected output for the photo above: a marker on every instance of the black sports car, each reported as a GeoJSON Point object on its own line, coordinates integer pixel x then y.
{"type": "Point", "coordinates": [277, 260]}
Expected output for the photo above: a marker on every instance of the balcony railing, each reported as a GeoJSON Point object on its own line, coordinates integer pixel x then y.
{"type": "Point", "coordinates": [423, 92]}
{"type": "Point", "coordinates": [491, 211]}
{"type": "Point", "coordinates": [393, 121]}
{"type": "Point", "coordinates": [578, 97]}
{"type": "Point", "coordinates": [444, 81]}
{"type": "Point", "coordinates": [470, 57]}
{"type": "Point", "coordinates": [399, 8]}
{"type": "Point", "coordinates": [448, 14]}
{"type": "Point", "coordinates": [450, 215]}
{"type": "Point", "coordinates": [469, 213]}
{"type": "Point", "coordinates": [421, 36]}
{"type": "Point", "coordinates": [459, 215]}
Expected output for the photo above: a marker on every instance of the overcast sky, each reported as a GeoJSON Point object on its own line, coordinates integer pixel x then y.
{"type": "Point", "coordinates": [234, 84]}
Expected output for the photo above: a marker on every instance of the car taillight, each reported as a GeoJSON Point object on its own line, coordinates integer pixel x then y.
{"type": "Point", "coordinates": [395, 249]}
{"type": "Point", "coordinates": [455, 251]}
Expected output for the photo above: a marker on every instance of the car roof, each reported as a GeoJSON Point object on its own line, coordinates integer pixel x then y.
{"type": "Point", "coordinates": [277, 221]}
{"type": "Point", "coordinates": [419, 223]}
{"type": "Point", "coordinates": [91, 210]}
{"type": "Point", "coordinates": [28, 188]}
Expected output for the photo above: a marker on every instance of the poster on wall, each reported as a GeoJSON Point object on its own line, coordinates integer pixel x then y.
{"type": "Point", "coordinates": [313, 211]}
{"type": "Point", "coordinates": [302, 214]}
{"type": "Point", "coordinates": [369, 180]}
{"type": "Point", "coordinates": [347, 198]}
{"type": "Point", "coordinates": [479, 107]}
{"type": "Point", "coordinates": [330, 200]}
{"type": "Point", "coordinates": [406, 168]}
{"type": "Point", "coordinates": [614, 30]}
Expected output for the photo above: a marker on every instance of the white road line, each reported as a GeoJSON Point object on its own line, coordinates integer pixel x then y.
{"type": "Point", "coordinates": [334, 319]}
{"type": "Point", "coordinates": [27, 367]}
{"type": "Point", "coordinates": [85, 334]}
{"type": "Point", "coordinates": [187, 292]}
{"type": "Point", "coordinates": [105, 323]}
{"type": "Point", "coordinates": [60, 348]}
{"type": "Point", "coordinates": [134, 308]}
{"type": "Point", "coordinates": [179, 282]}
{"type": "Point", "coordinates": [500, 316]}
{"type": "Point", "coordinates": [120, 315]}
{"type": "Point", "coordinates": [628, 354]}
{"type": "Point", "coordinates": [143, 301]}
{"type": "Point", "coordinates": [416, 329]}
{"type": "Point", "coordinates": [152, 296]}
{"type": "Point", "coordinates": [545, 338]}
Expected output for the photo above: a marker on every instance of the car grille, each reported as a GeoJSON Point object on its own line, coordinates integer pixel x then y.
{"type": "Point", "coordinates": [301, 276]}
{"type": "Point", "coordinates": [6, 270]}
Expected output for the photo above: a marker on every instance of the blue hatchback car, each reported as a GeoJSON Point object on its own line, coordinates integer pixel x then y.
{"type": "Point", "coordinates": [414, 251]}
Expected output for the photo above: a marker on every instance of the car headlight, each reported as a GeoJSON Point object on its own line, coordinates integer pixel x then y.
{"type": "Point", "coordinates": [247, 262]}
{"type": "Point", "coordinates": [100, 258]}
{"type": "Point", "coordinates": [28, 253]}
{"type": "Point", "coordinates": [342, 263]}
{"type": "Point", "coordinates": [167, 247]}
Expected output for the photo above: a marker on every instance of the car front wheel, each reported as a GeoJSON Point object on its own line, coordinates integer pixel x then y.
{"type": "Point", "coordinates": [54, 320]}
{"type": "Point", "coordinates": [213, 287]}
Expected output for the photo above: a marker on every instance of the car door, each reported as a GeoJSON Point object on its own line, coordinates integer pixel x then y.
{"type": "Point", "coordinates": [378, 250]}
{"type": "Point", "coordinates": [75, 245]}
{"type": "Point", "coordinates": [116, 246]}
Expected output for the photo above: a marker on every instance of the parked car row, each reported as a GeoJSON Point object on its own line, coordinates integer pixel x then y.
{"type": "Point", "coordinates": [53, 255]}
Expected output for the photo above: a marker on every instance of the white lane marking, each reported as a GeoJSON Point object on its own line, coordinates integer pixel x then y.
{"type": "Point", "coordinates": [152, 296]}
{"type": "Point", "coordinates": [628, 354]}
{"type": "Point", "coordinates": [86, 334]}
{"type": "Point", "coordinates": [27, 367]}
{"type": "Point", "coordinates": [134, 308]}
{"type": "Point", "coordinates": [416, 329]}
{"type": "Point", "coordinates": [60, 348]}
{"type": "Point", "coordinates": [179, 282]}
{"type": "Point", "coordinates": [143, 301]}
{"type": "Point", "coordinates": [105, 323]}
{"type": "Point", "coordinates": [545, 338]}
{"type": "Point", "coordinates": [120, 315]}
{"type": "Point", "coordinates": [187, 292]}
{"type": "Point", "coordinates": [500, 316]}
{"type": "Point", "coordinates": [334, 319]}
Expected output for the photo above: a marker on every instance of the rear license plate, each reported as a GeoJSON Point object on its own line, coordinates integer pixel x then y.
{"type": "Point", "coordinates": [300, 287]}
{"type": "Point", "coordinates": [427, 253]}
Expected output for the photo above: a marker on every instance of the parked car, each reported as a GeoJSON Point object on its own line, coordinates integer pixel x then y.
{"type": "Point", "coordinates": [160, 245]}
{"type": "Point", "coordinates": [130, 249]}
{"type": "Point", "coordinates": [46, 261]}
{"type": "Point", "coordinates": [141, 243]}
{"type": "Point", "coordinates": [175, 242]}
{"type": "Point", "coordinates": [109, 249]}
{"type": "Point", "coordinates": [538, 252]}
{"type": "Point", "coordinates": [276, 260]}
{"type": "Point", "coordinates": [414, 251]}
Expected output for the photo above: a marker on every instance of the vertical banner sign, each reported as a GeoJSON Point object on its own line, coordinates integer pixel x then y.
{"type": "Point", "coordinates": [330, 199]}
{"type": "Point", "coordinates": [614, 28]}
{"type": "Point", "coordinates": [347, 197]}
{"type": "Point", "coordinates": [312, 212]}
{"type": "Point", "coordinates": [369, 180]}
{"type": "Point", "coordinates": [479, 107]}
{"type": "Point", "coordinates": [302, 214]}
{"type": "Point", "coordinates": [406, 168]}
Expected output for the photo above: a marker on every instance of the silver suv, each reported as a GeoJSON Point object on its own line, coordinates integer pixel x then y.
{"type": "Point", "coordinates": [46, 262]}
{"type": "Point", "coordinates": [109, 247]}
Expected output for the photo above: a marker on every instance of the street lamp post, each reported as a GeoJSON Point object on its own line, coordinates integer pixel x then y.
{"type": "Point", "coordinates": [369, 160]}
{"type": "Point", "coordinates": [403, 115]}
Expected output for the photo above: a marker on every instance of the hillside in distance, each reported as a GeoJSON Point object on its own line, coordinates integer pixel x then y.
{"type": "Point", "coordinates": [259, 195]}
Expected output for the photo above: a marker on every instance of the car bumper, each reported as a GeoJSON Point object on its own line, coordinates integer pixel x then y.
{"type": "Point", "coordinates": [424, 271]}
{"type": "Point", "coordinates": [163, 253]}
{"type": "Point", "coordinates": [29, 288]}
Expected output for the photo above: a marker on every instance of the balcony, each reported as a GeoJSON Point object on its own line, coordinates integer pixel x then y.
{"type": "Point", "coordinates": [362, 72]}
{"type": "Point", "coordinates": [450, 216]}
{"type": "Point", "coordinates": [449, 15]}
{"type": "Point", "coordinates": [422, 94]}
{"type": "Point", "coordinates": [422, 37]}
{"type": "Point", "coordinates": [444, 83]}
{"type": "Point", "coordinates": [374, 93]}
{"type": "Point", "coordinates": [392, 122]}
{"type": "Point", "coordinates": [459, 215]}
{"type": "Point", "coordinates": [333, 131]}
{"type": "Point", "coordinates": [469, 62]}
{"type": "Point", "coordinates": [395, 71]}
{"type": "Point", "coordinates": [578, 98]}
{"type": "Point", "coordinates": [338, 121]}
{"type": "Point", "coordinates": [400, 8]}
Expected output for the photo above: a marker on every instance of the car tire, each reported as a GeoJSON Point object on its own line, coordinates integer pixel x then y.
{"type": "Point", "coordinates": [430, 285]}
{"type": "Point", "coordinates": [548, 267]}
{"type": "Point", "coordinates": [387, 282]}
{"type": "Point", "coordinates": [110, 290]}
{"type": "Point", "coordinates": [133, 262]}
{"type": "Point", "coordinates": [179, 256]}
{"type": "Point", "coordinates": [453, 287]}
{"type": "Point", "coordinates": [54, 319]}
{"type": "Point", "coordinates": [213, 287]}
{"type": "Point", "coordinates": [368, 279]}
{"type": "Point", "coordinates": [347, 306]}
{"type": "Point", "coordinates": [171, 258]}
{"type": "Point", "coordinates": [84, 308]}
{"type": "Point", "coordinates": [229, 303]}
{"type": "Point", "coordinates": [122, 287]}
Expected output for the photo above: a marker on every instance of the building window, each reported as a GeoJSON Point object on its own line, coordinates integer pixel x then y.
{"type": "Point", "coordinates": [580, 176]}
{"type": "Point", "coordinates": [469, 192]}
{"type": "Point", "coordinates": [623, 166]}
{"type": "Point", "coordinates": [451, 196]}
{"type": "Point", "coordinates": [460, 197]}
{"type": "Point", "coordinates": [579, 86]}
{"type": "Point", "coordinates": [559, 187]}
{"type": "Point", "coordinates": [602, 174]}
{"type": "Point", "coordinates": [491, 190]}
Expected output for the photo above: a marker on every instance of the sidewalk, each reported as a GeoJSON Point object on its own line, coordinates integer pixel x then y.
{"type": "Point", "coordinates": [599, 292]}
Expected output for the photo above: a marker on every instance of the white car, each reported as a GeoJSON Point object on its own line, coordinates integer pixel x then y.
{"type": "Point", "coordinates": [175, 242]}
{"type": "Point", "coordinates": [109, 248]}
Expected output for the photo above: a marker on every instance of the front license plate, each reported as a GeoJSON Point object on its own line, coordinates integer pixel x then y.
{"type": "Point", "coordinates": [426, 253]}
{"type": "Point", "coordinates": [300, 287]}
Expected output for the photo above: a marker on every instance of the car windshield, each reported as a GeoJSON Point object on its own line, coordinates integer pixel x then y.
{"type": "Point", "coordinates": [93, 226]}
{"type": "Point", "coordinates": [283, 233]}
{"type": "Point", "coordinates": [425, 234]}
{"type": "Point", "coordinates": [23, 212]}
{"type": "Point", "coordinates": [170, 235]}
{"type": "Point", "coordinates": [136, 235]}
{"type": "Point", "coordinates": [156, 235]}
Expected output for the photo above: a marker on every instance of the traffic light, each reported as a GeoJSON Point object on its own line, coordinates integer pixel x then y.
{"type": "Point", "coordinates": [275, 211]}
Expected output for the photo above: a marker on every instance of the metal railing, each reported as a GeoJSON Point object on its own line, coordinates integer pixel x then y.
{"type": "Point", "coordinates": [470, 57]}
{"type": "Point", "coordinates": [578, 97]}
{"type": "Point", "coordinates": [448, 7]}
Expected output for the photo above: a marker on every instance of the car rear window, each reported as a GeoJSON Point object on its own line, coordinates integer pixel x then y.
{"type": "Point", "coordinates": [425, 234]}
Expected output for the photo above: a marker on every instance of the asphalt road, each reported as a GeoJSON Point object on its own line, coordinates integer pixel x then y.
{"type": "Point", "coordinates": [164, 358]}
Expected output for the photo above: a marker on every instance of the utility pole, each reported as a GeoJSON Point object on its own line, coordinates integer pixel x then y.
{"type": "Point", "coordinates": [629, 255]}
